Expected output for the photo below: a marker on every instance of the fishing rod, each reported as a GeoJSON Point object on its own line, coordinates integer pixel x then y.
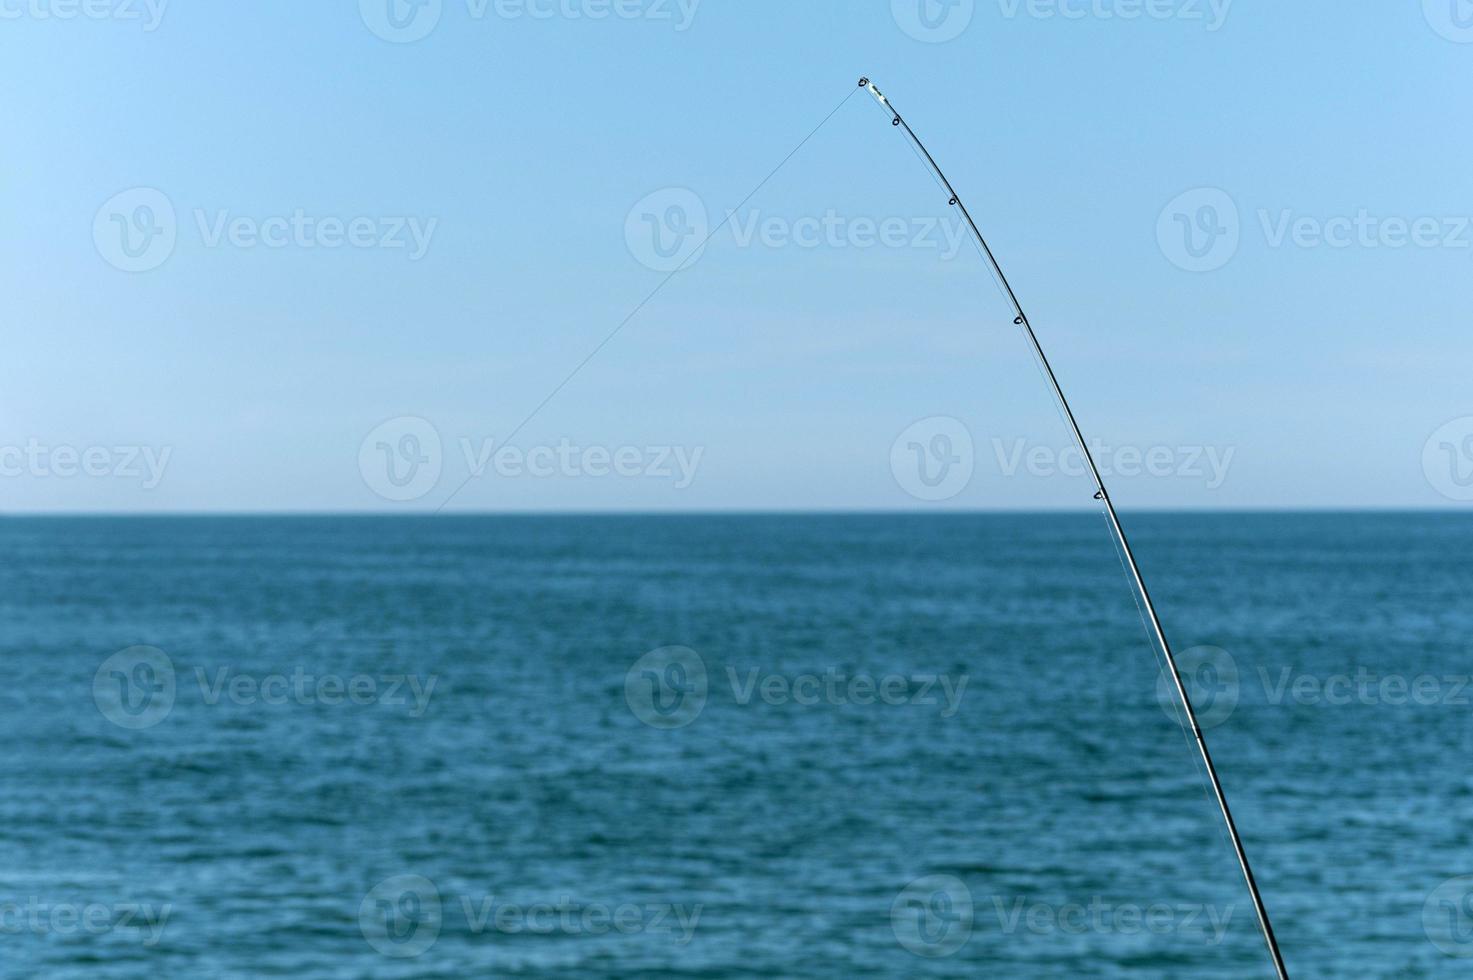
{"type": "Point", "coordinates": [1103, 495]}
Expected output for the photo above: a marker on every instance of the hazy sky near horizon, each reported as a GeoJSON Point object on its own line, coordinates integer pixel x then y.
{"type": "Point", "coordinates": [345, 256]}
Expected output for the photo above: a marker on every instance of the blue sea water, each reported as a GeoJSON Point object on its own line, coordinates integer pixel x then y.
{"type": "Point", "coordinates": [736, 746]}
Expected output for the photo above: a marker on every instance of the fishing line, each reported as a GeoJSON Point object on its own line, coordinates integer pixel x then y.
{"type": "Point", "coordinates": [931, 173]}
{"type": "Point", "coordinates": [1040, 367]}
{"type": "Point", "coordinates": [1113, 518]}
{"type": "Point", "coordinates": [1002, 288]}
{"type": "Point", "coordinates": [1161, 664]}
{"type": "Point", "coordinates": [1164, 669]}
{"type": "Point", "coordinates": [654, 292]}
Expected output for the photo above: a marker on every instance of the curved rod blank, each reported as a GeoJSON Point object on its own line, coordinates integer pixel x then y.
{"type": "Point", "coordinates": [1103, 495]}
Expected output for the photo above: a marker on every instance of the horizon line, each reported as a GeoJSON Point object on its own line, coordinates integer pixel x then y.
{"type": "Point", "coordinates": [740, 512]}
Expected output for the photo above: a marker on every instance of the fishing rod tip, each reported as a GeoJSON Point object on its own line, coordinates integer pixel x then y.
{"type": "Point", "coordinates": [866, 83]}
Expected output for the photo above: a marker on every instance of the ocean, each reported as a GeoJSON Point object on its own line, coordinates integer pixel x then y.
{"type": "Point", "coordinates": [731, 746]}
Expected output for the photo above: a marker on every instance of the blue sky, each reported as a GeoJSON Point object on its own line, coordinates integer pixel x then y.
{"type": "Point", "coordinates": [331, 256]}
